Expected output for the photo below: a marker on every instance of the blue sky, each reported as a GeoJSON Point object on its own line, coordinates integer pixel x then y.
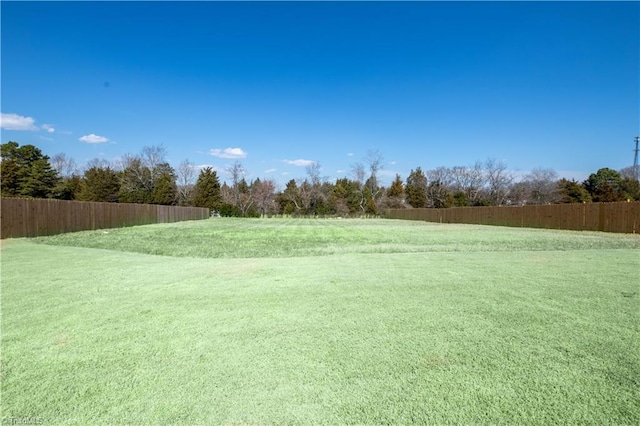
{"type": "Point", "coordinates": [276, 85]}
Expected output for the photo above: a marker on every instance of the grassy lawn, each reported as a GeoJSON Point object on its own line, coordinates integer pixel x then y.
{"type": "Point", "coordinates": [292, 321]}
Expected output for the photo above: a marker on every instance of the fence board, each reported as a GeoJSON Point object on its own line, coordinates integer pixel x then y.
{"type": "Point", "coordinates": [30, 217]}
{"type": "Point", "coordinates": [622, 217]}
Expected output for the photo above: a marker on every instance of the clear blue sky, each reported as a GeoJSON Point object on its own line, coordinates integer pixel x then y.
{"type": "Point", "coordinates": [536, 84]}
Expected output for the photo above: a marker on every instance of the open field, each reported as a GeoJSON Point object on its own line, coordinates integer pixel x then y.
{"type": "Point", "coordinates": [302, 321]}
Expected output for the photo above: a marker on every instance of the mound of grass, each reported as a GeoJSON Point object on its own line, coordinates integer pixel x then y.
{"type": "Point", "coordinates": [444, 326]}
{"type": "Point", "coordinates": [242, 238]}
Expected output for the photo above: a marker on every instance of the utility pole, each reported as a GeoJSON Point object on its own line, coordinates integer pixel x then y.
{"type": "Point", "coordinates": [635, 159]}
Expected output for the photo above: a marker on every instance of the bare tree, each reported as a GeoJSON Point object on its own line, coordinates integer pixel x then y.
{"type": "Point", "coordinates": [246, 200]}
{"type": "Point", "coordinates": [498, 180]}
{"type": "Point", "coordinates": [359, 175]}
{"type": "Point", "coordinates": [440, 185]}
{"type": "Point", "coordinates": [186, 175]}
{"type": "Point", "coordinates": [240, 194]}
{"type": "Point", "coordinates": [65, 166]}
{"type": "Point", "coordinates": [313, 172]}
{"type": "Point", "coordinates": [628, 172]}
{"type": "Point", "coordinates": [358, 172]}
{"type": "Point", "coordinates": [542, 186]}
{"type": "Point", "coordinates": [374, 161]}
{"type": "Point", "coordinates": [134, 175]}
{"type": "Point", "coordinates": [147, 177]}
{"type": "Point", "coordinates": [237, 174]}
{"type": "Point", "coordinates": [154, 155]}
{"type": "Point", "coordinates": [305, 197]}
{"type": "Point", "coordinates": [468, 180]}
{"type": "Point", "coordinates": [313, 190]}
{"type": "Point", "coordinates": [264, 193]}
{"type": "Point", "coordinates": [100, 163]}
{"type": "Point", "coordinates": [150, 156]}
{"type": "Point", "coordinates": [443, 175]}
{"type": "Point", "coordinates": [226, 194]}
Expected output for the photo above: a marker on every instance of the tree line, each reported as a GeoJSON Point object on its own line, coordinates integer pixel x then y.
{"type": "Point", "coordinates": [149, 179]}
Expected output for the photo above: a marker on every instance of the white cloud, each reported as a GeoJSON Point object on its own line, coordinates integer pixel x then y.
{"type": "Point", "coordinates": [48, 127]}
{"type": "Point", "coordinates": [270, 170]}
{"type": "Point", "coordinates": [284, 173]}
{"type": "Point", "coordinates": [228, 153]}
{"type": "Point", "coordinates": [300, 162]}
{"type": "Point", "coordinates": [340, 171]}
{"type": "Point", "coordinates": [393, 163]}
{"type": "Point", "coordinates": [16, 122]}
{"type": "Point", "coordinates": [350, 154]}
{"type": "Point", "coordinates": [93, 139]}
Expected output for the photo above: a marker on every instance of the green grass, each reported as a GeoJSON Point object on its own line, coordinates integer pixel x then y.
{"type": "Point", "coordinates": [321, 322]}
{"type": "Point", "coordinates": [249, 238]}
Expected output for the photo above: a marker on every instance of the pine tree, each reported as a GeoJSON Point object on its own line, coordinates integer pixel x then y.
{"type": "Point", "coordinates": [396, 189]}
{"type": "Point", "coordinates": [604, 185]}
{"type": "Point", "coordinates": [416, 188]}
{"type": "Point", "coordinates": [100, 184]}
{"type": "Point", "coordinates": [289, 200]}
{"type": "Point", "coordinates": [395, 194]}
{"type": "Point", "coordinates": [572, 192]}
{"type": "Point", "coordinates": [165, 190]}
{"type": "Point", "coordinates": [206, 192]}
{"type": "Point", "coordinates": [26, 172]}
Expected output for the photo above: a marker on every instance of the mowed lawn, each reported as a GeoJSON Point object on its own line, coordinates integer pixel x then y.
{"type": "Point", "coordinates": [302, 321]}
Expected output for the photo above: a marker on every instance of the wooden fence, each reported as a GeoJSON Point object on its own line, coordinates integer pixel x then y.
{"type": "Point", "coordinates": [31, 217]}
{"type": "Point", "coordinates": [607, 217]}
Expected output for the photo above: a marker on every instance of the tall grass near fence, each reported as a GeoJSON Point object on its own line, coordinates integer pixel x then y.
{"type": "Point", "coordinates": [607, 217]}
{"type": "Point", "coordinates": [29, 217]}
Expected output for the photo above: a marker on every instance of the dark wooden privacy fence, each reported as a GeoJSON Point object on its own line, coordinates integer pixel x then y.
{"type": "Point", "coordinates": [608, 217]}
{"type": "Point", "coordinates": [30, 217]}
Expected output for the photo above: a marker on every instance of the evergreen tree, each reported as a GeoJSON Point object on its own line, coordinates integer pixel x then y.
{"type": "Point", "coordinates": [68, 188]}
{"type": "Point", "coordinates": [416, 188]}
{"type": "Point", "coordinates": [630, 188]}
{"type": "Point", "coordinates": [394, 195]}
{"type": "Point", "coordinates": [165, 190]}
{"type": "Point", "coordinates": [345, 196]}
{"type": "Point", "coordinates": [206, 192]}
{"type": "Point", "coordinates": [460, 199]}
{"type": "Point", "coordinates": [397, 188]}
{"type": "Point", "coordinates": [290, 202]}
{"type": "Point", "coordinates": [26, 172]}
{"type": "Point", "coordinates": [604, 185]}
{"type": "Point", "coordinates": [147, 178]}
{"type": "Point", "coordinates": [572, 192]}
{"type": "Point", "coordinates": [100, 184]}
